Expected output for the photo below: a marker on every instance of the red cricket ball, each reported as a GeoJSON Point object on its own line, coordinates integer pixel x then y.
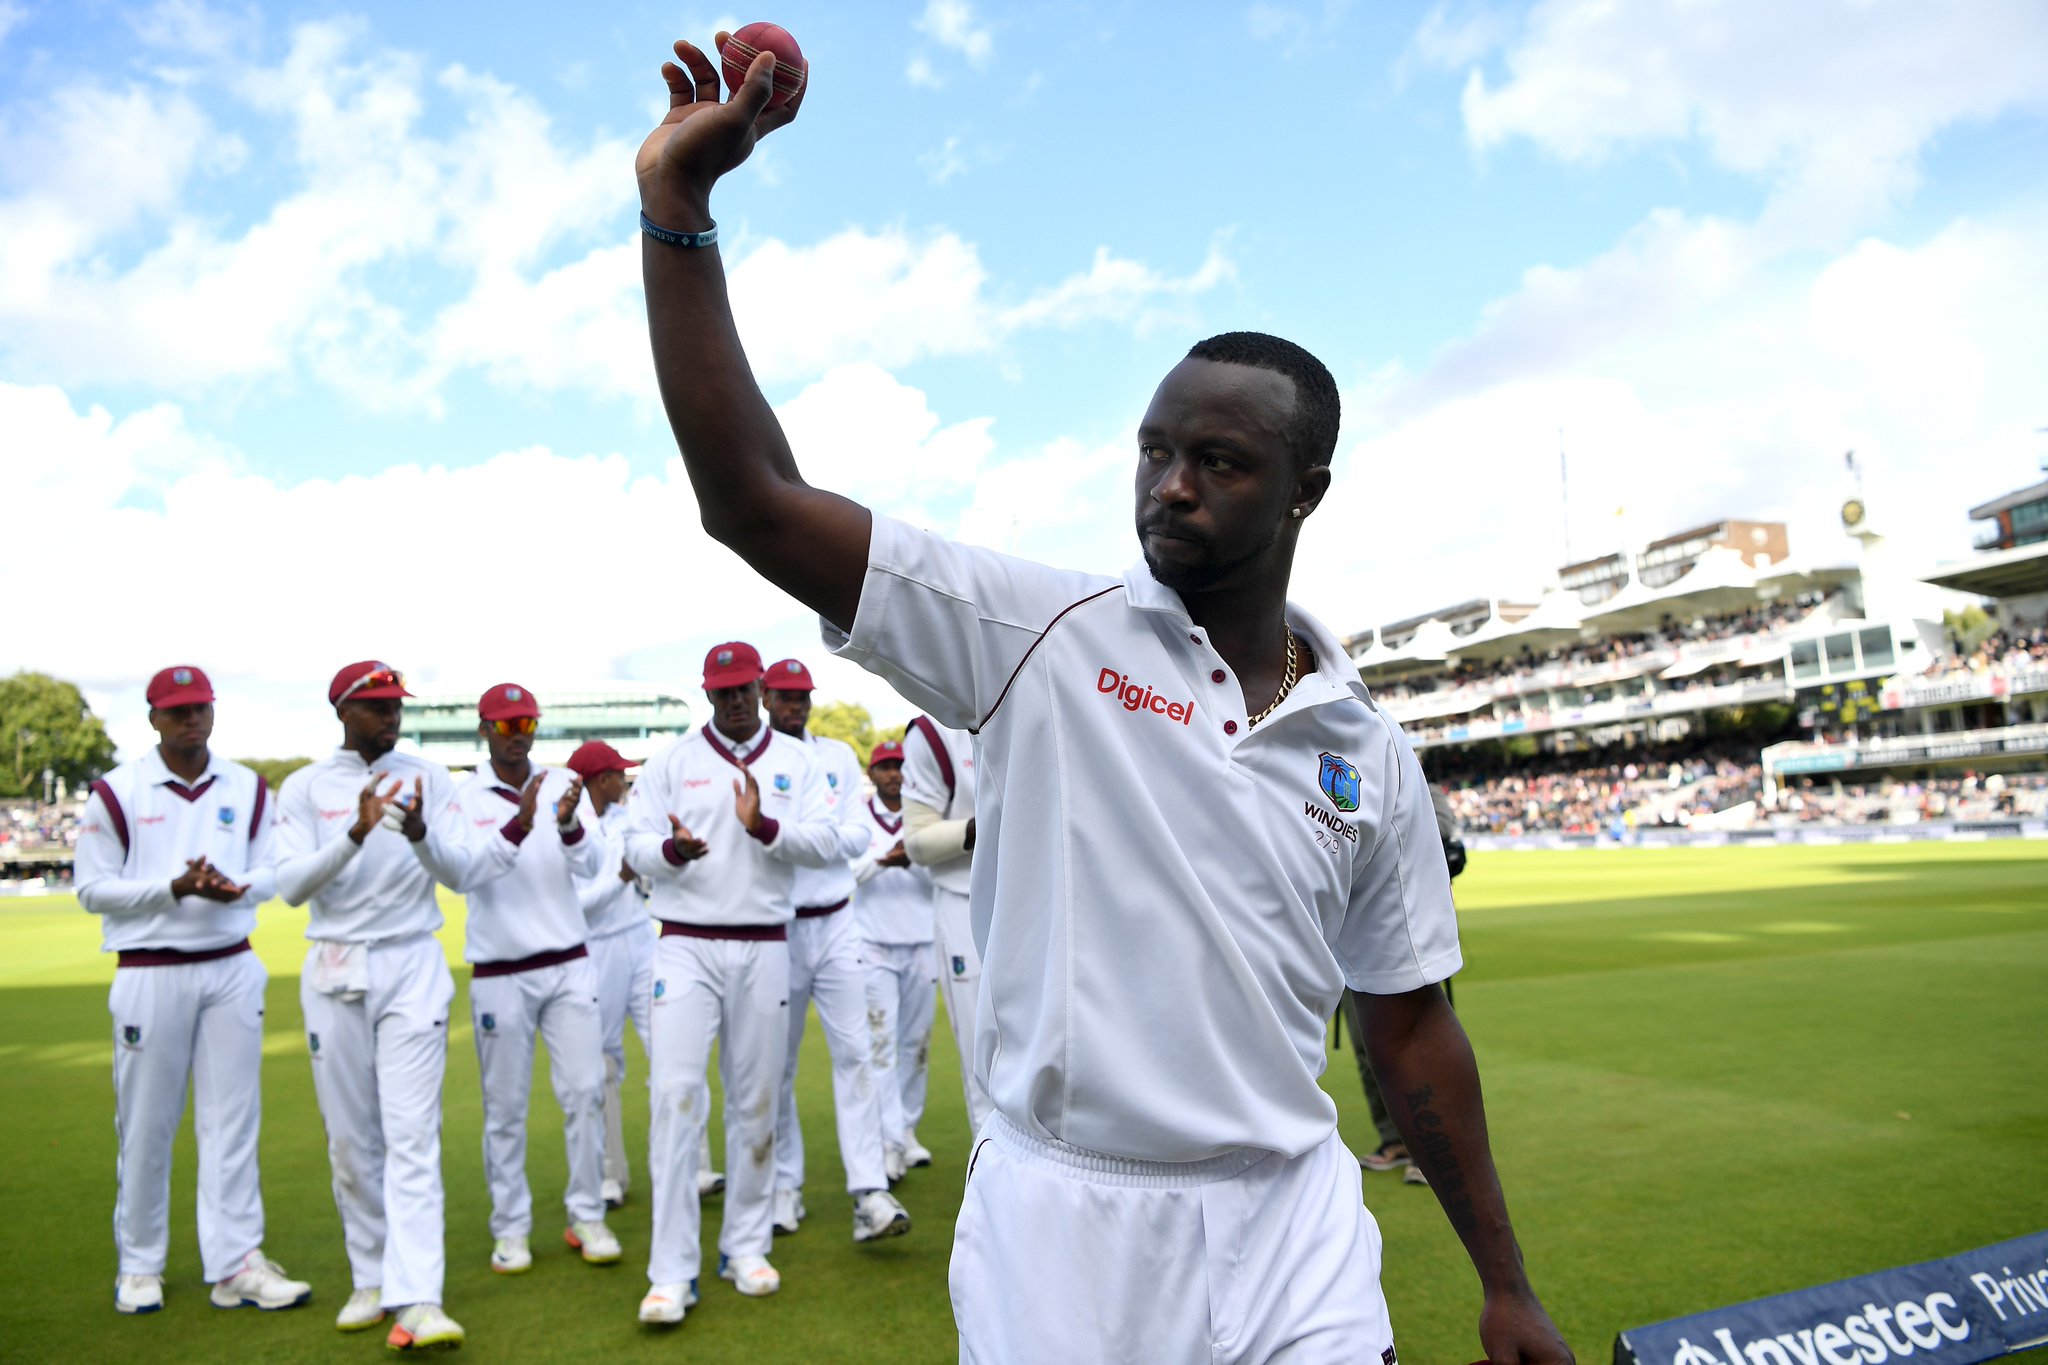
{"type": "Point", "coordinates": [750, 42]}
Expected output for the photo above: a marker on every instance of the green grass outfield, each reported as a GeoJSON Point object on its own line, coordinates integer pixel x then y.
{"type": "Point", "coordinates": [1712, 1075]}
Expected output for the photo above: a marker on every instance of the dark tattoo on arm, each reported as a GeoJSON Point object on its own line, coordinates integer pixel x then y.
{"type": "Point", "coordinates": [1430, 1145]}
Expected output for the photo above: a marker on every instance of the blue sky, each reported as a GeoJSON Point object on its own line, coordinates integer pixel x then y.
{"type": "Point", "coordinates": [333, 310]}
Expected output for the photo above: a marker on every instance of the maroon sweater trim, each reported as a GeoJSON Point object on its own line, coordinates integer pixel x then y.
{"type": "Point", "coordinates": [529, 964]}
{"type": "Point", "coordinates": [175, 957]}
{"type": "Point", "coordinates": [744, 933]}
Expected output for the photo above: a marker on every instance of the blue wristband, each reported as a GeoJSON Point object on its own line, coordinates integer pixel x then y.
{"type": "Point", "coordinates": [707, 237]}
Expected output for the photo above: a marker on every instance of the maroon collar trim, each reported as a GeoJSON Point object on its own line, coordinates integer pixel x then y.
{"type": "Point", "coordinates": [177, 788]}
{"type": "Point", "coordinates": [718, 746]}
{"type": "Point", "coordinates": [883, 817]}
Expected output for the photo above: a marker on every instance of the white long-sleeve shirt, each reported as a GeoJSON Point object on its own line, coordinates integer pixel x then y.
{"type": "Point", "coordinates": [612, 905]}
{"type": "Point", "coordinates": [742, 879]}
{"type": "Point", "coordinates": [521, 884]}
{"type": "Point", "coordinates": [832, 884]}
{"type": "Point", "coordinates": [894, 904]}
{"type": "Point", "coordinates": [142, 822]}
{"type": "Point", "coordinates": [938, 797]}
{"type": "Point", "coordinates": [380, 889]}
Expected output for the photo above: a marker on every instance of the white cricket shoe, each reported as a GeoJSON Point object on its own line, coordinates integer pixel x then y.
{"type": "Point", "coordinates": [709, 1183]}
{"type": "Point", "coordinates": [892, 1161]}
{"type": "Point", "coordinates": [595, 1241]}
{"type": "Point", "coordinates": [364, 1310]}
{"type": "Point", "coordinates": [915, 1153]}
{"type": "Point", "coordinates": [666, 1303]}
{"type": "Point", "coordinates": [876, 1214]}
{"type": "Point", "coordinates": [614, 1194]}
{"type": "Point", "coordinates": [510, 1256]}
{"type": "Point", "coordinates": [138, 1293]}
{"type": "Point", "coordinates": [260, 1284]}
{"type": "Point", "coordinates": [789, 1211]}
{"type": "Point", "coordinates": [751, 1275]}
{"type": "Point", "coordinates": [424, 1327]}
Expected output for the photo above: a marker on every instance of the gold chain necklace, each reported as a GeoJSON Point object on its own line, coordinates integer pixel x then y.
{"type": "Point", "coordinates": [1286, 684]}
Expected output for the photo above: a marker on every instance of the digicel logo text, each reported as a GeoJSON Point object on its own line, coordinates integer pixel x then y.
{"type": "Point", "coordinates": [1109, 682]}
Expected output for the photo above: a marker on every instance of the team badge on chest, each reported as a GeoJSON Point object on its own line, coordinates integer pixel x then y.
{"type": "Point", "coordinates": [490, 1023]}
{"type": "Point", "coordinates": [227, 817]}
{"type": "Point", "coordinates": [131, 1035]}
{"type": "Point", "coordinates": [782, 783]}
{"type": "Point", "coordinates": [1339, 781]}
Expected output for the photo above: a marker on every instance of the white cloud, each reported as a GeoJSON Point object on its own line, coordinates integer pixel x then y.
{"type": "Point", "coordinates": [1735, 398]}
{"type": "Point", "coordinates": [944, 161]}
{"type": "Point", "coordinates": [1830, 102]}
{"type": "Point", "coordinates": [545, 567]}
{"type": "Point", "coordinates": [110, 277]}
{"type": "Point", "coordinates": [1121, 290]}
{"type": "Point", "coordinates": [952, 24]}
{"type": "Point", "coordinates": [12, 16]}
{"type": "Point", "coordinates": [1294, 31]}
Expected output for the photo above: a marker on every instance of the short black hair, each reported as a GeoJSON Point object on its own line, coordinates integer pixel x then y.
{"type": "Point", "coordinates": [1317, 410]}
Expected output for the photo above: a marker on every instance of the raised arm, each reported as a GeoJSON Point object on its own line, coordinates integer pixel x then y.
{"type": "Point", "coordinates": [810, 543]}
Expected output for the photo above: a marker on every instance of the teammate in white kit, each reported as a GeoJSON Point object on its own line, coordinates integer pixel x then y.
{"type": "Point", "coordinates": [1194, 829]}
{"type": "Point", "coordinates": [622, 953]}
{"type": "Point", "coordinates": [938, 818]}
{"type": "Point", "coordinates": [530, 974]}
{"type": "Point", "coordinates": [614, 901]}
{"type": "Point", "coordinates": [828, 964]}
{"type": "Point", "coordinates": [354, 841]}
{"type": "Point", "coordinates": [894, 904]}
{"type": "Point", "coordinates": [721, 820]}
{"type": "Point", "coordinates": [172, 856]}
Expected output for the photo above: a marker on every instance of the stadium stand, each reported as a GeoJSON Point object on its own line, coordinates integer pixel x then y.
{"type": "Point", "coordinates": [1711, 686]}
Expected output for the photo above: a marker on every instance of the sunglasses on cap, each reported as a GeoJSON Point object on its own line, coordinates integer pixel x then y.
{"type": "Point", "coordinates": [376, 677]}
{"type": "Point", "coordinates": [518, 725]}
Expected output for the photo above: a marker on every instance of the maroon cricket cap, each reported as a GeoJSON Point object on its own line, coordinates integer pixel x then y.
{"type": "Point", "coordinates": [179, 685]}
{"type": "Point", "coordinates": [508, 701]}
{"type": "Point", "coordinates": [888, 751]}
{"type": "Point", "coordinates": [594, 756]}
{"type": "Point", "coordinates": [366, 681]}
{"type": "Point", "coordinates": [788, 675]}
{"type": "Point", "coordinates": [733, 664]}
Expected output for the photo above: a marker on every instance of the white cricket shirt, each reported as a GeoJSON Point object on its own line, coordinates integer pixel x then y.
{"type": "Point", "coordinates": [142, 823]}
{"type": "Point", "coordinates": [612, 905]}
{"type": "Point", "coordinates": [521, 887]}
{"type": "Point", "coordinates": [358, 894]}
{"type": "Point", "coordinates": [941, 778]}
{"type": "Point", "coordinates": [832, 884]}
{"type": "Point", "coordinates": [743, 879]}
{"type": "Point", "coordinates": [1168, 902]}
{"type": "Point", "coordinates": [894, 904]}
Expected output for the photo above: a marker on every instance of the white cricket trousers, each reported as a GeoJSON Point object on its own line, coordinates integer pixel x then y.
{"type": "Point", "coordinates": [559, 1004]}
{"type": "Point", "coordinates": [901, 1006]}
{"type": "Point", "coordinates": [378, 1063]}
{"type": "Point", "coordinates": [828, 964]}
{"type": "Point", "coordinates": [960, 980]}
{"type": "Point", "coordinates": [734, 991]}
{"type": "Point", "coordinates": [202, 1021]}
{"type": "Point", "coordinates": [624, 965]}
{"type": "Point", "coordinates": [1067, 1255]}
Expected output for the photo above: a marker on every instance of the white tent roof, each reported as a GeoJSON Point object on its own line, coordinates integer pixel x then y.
{"type": "Point", "coordinates": [1717, 579]}
{"type": "Point", "coordinates": [1557, 615]}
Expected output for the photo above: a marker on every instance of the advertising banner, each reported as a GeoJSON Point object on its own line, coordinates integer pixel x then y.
{"type": "Point", "coordinates": [1976, 1306]}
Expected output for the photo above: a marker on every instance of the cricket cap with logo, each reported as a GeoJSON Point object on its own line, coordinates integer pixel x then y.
{"type": "Point", "coordinates": [733, 664]}
{"type": "Point", "coordinates": [508, 701]}
{"type": "Point", "coordinates": [888, 751]}
{"type": "Point", "coordinates": [369, 680]}
{"type": "Point", "coordinates": [179, 685]}
{"type": "Point", "coordinates": [788, 675]}
{"type": "Point", "coordinates": [594, 756]}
